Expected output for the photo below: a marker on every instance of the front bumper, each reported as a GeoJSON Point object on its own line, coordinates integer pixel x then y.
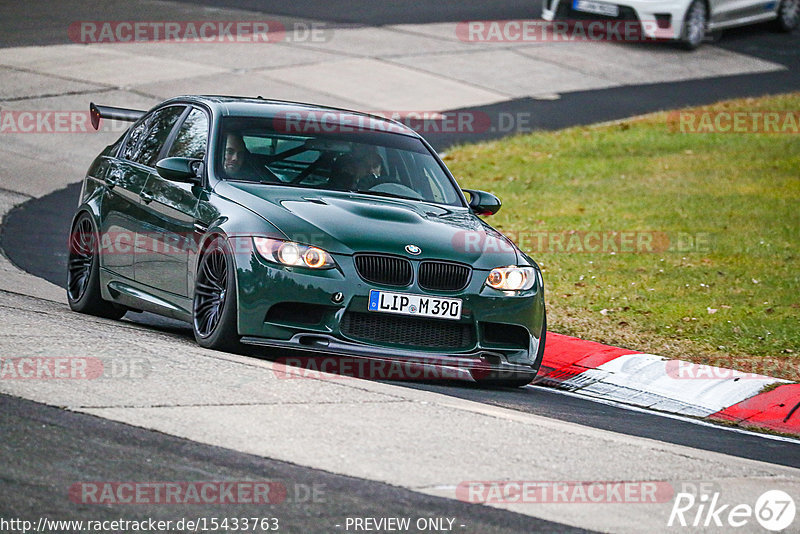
{"type": "Point", "coordinates": [502, 331]}
{"type": "Point", "coordinates": [378, 363]}
{"type": "Point", "coordinates": [650, 15]}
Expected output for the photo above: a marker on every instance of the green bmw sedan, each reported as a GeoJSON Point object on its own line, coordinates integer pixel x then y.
{"type": "Point", "coordinates": [302, 229]}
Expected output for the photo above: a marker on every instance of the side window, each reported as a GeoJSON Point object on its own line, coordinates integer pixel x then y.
{"type": "Point", "coordinates": [192, 137]}
{"type": "Point", "coordinates": [159, 128]}
{"type": "Point", "coordinates": [130, 151]}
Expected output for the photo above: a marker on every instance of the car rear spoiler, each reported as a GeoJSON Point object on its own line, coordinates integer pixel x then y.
{"type": "Point", "coordinates": [107, 112]}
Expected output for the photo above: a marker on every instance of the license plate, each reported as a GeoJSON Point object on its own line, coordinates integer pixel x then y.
{"type": "Point", "coordinates": [420, 305]}
{"type": "Point", "coordinates": [600, 8]}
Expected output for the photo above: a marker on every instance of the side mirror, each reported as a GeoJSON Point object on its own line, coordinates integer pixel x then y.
{"type": "Point", "coordinates": [483, 203]}
{"type": "Point", "coordinates": [185, 170]}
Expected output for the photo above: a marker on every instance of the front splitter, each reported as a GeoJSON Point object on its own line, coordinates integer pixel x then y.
{"type": "Point", "coordinates": [391, 364]}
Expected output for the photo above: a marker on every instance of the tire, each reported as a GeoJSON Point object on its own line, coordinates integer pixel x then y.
{"type": "Point", "coordinates": [788, 15]}
{"type": "Point", "coordinates": [214, 304]}
{"type": "Point", "coordinates": [83, 272]}
{"type": "Point", "coordinates": [526, 379]}
{"type": "Point", "coordinates": [695, 25]}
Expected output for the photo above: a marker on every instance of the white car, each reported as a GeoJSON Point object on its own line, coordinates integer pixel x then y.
{"type": "Point", "coordinates": [685, 21]}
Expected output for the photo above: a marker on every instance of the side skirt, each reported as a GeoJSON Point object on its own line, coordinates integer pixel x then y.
{"type": "Point", "coordinates": [139, 297]}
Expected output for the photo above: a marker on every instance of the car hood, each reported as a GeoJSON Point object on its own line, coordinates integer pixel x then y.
{"type": "Point", "coordinates": [346, 223]}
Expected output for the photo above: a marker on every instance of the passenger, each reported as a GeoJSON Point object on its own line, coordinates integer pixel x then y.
{"type": "Point", "coordinates": [235, 155]}
{"type": "Point", "coordinates": [239, 164]}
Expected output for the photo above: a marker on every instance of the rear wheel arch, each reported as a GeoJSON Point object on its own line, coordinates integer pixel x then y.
{"type": "Point", "coordinates": [84, 294]}
{"type": "Point", "coordinates": [85, 209]}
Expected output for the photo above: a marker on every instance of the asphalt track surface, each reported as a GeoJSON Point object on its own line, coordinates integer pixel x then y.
{"type": "Point", "coordinates": [46, 450]}
{"type": "Point", "coordinates": [41, 444]}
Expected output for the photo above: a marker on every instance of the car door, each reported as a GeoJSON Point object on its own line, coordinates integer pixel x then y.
{"type": "Point", "coordinates": [130, 174]}
{"type": "Point", "coordinates": [728, 10]}
{"type": "Point", "coordinates": [171, 212]}
{"type": "Point", "coordinates": [121, 207]}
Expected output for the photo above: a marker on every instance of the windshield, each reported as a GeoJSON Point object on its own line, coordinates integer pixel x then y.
{"type": "Point", "coordinates": [366, 161]}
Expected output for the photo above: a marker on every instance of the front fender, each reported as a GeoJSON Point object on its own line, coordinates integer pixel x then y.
{"type": "Point", "coordinates": [237, 227]}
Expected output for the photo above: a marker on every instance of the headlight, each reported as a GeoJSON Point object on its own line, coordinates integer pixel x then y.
{"type": "Point", "coordinates": [293, 254]}
{"type": "Point", "coordinates": [512, 278]}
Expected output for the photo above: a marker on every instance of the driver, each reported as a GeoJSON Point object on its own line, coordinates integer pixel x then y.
{"type": "Point", "coordinates": [371, 175]}
{"type": "Point", "coordinates": [358, 170]}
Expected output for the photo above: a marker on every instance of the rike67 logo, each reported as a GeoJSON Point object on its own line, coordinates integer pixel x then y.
{"type": "Point", "coordinates": [774, 510]}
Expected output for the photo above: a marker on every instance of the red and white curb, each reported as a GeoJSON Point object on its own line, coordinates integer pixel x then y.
{"type": "Point", "coordinates": [673, 386]}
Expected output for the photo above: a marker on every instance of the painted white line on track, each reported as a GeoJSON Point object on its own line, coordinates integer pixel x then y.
{"type": "Point", "coordinates": [692, 420]}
